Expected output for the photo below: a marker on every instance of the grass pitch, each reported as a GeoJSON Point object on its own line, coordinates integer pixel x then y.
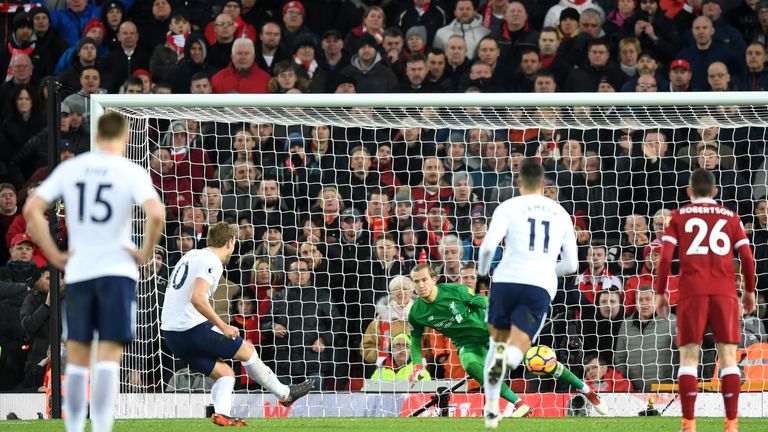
{"type": "Point", "coordinates": [570, 424]}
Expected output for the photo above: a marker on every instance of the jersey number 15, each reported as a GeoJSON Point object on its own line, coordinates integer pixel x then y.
{"type": "Point", "coordinates": [98, 200]}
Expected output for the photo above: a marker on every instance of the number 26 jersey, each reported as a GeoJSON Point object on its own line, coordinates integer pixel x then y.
{"type": "Point", "coordinates": [706, 235]}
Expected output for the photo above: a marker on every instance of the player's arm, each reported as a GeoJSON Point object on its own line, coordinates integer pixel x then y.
{"type": "Point", "coordinates": [153, 228]}
{"type": "Point", "coordinates": [37, 225]}
{"type": "Point", "coordinates": [200, 301]}
{"type": "Point", "coordinates": [569, 254]}
{"type": "Point", "coordinates": [493, 237]}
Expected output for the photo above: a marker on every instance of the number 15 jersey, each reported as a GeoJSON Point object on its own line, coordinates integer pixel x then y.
{"type": "Point", "coordinates": [99, 190]}
{"type": "Point", "coordinates": [706, 235]}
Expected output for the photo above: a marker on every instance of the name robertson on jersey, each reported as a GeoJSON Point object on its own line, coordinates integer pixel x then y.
{"type": "Point", "coordinates": [706, 210]}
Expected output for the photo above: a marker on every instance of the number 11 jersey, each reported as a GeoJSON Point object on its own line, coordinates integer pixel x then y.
{"type": "Point", "coordinates": [706, 235]}
{"type": "Point", "coordinates": [536, 229]}
{"type": "Point", "coordinates": [99, 190]}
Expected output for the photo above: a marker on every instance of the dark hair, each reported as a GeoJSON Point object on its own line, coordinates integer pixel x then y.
{"type": "Point", "coordinates": [702, 183]}
{"type": "Point", "coordinates": [393, 32]}
{"type": "Point", "coordinates": [91, 67]}
{"type": "Point", "coordinates": [598, 41]}
{"type": "Point", "coordinates": [529, 50]}
{"type": "Point", "coordinates": [436, 51]}
{"type": "Point", "coordinates": [416, 57]}
{"type": "Point", "coordinates": [212, 184]}
{"type": "Point", "coordinates": [4, 186]}
{"type": "Point", "coordinates": [199, 75]}
{"type": "Point", "coordinates": [15, 92]}
{"type": "Point", "coordinates": [531, 174]}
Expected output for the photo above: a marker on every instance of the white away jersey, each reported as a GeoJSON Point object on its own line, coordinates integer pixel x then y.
{"type": "Point", "coordinates": [178, 312]}
{"type": "Point", "coordinates": [99, 190]}
{"type": "Point", "coordinates": [536, 230]}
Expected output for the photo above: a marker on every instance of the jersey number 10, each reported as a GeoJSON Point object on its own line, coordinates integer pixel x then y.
{"type": "Point", "coordinates": [532, 241]}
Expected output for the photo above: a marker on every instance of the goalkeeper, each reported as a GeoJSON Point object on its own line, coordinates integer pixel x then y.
{"type": "Point", "coordinates": [459, 314]}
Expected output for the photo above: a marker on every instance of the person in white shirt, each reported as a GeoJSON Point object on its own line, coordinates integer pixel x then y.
{"type": "Point", "coordinates": [537, 231]}
{"type": "Point", "coordinates": [99, 190]}
{"type": "Point", "coordinates": [196, 334]}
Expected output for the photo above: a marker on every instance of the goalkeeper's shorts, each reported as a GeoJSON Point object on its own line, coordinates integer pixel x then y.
{"type": "Point", "coordinates": [201, 346]}
{"type": "Point", "coordinates": [520, 305]}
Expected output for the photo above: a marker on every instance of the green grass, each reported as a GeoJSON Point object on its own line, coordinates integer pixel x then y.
{"type": "Point", "coordinates": [592, 424]}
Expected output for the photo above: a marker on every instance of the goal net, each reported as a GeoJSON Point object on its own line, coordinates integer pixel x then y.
{"type": "Point", "coordinates": [337, 198]}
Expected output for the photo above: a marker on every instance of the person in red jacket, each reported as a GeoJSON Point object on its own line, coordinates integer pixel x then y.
{"type": "Point", "coordinates": [242, 75]}
{"type": "Point", "coordinates": [603, 378]}
{"type": "Point", "coordinates": [651, 256]}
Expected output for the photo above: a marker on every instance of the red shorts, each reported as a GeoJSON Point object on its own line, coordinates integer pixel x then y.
{"type": "Point", "coordinates": [720, 312]}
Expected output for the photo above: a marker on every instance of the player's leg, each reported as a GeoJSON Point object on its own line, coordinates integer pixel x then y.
{"type": "Point", "coordinates": [690, 330]}
{"type": "Point", "coordinates": [730, 384]}
{"type": "Point", "coordinates": [259, 372]}
{"type": "Point", "coordinates": [79, 329]}
{"type": "Point", "coordinates": [562, 373]}
{"type": "Point", "coordinates": [724, 315]}
{"type": "Point", "coordinates": [115, 315]}
{"type": "Point", "coordinates": [503, 298]}
{"type": "Point", "coordinates": [223, 385]}
{"type": "Point", "coordinates": [472, 360]}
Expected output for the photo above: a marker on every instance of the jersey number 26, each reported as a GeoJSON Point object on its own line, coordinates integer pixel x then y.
{"type": "Point", "coordinates": [719, 243]}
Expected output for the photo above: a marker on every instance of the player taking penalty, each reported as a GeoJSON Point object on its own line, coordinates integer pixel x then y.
{"type": "Point", "coordinates": [707, 235]}
{"type": "Point", "coordinates": [459, 314]}
{"type": "Point", "coordinates": [537, 231]}
{"type": "Point", "coordinates": [195, 333]}
{"type": "Point", "coordinates": [99, 189]}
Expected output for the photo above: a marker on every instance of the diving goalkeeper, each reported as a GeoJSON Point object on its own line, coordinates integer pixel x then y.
{"type": "Point", "coordinates": [459, 314]}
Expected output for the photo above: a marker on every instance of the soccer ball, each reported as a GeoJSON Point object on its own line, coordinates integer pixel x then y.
{"type": "Point", "coordinates": [540, 360]}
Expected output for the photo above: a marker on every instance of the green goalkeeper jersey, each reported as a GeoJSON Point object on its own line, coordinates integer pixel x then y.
{"type": "Point", "coordinates": [456, 313]}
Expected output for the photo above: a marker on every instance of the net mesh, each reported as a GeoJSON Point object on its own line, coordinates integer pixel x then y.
{"type": "Point", "coordinates": [364, 194]}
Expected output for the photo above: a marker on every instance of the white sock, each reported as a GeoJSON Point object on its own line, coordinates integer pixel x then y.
{"type": "Point", "coordinates": [733, 370]}
{"type": "Point", "coordinates": [106, 382]}
{"type": "Point", "coordinates": [692, 371]}
{"type": "Point", "coordinates": [492, 391]}
{"type": "Point", "coordinates": [586, 389]}
{"type": "Point", "coordinates": [259, 372]}
{"type": "Point", "coordinates": [514, 357]}
{"type": "Point", "coordinates": [221, 392]}
{"type": "Point", "coordinates": [75, 397]}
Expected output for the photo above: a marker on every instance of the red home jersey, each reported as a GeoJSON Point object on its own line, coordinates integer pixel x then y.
{"type": "Point", "coordinates": [706, 235]}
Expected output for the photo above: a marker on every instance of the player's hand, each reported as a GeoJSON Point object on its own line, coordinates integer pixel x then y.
{"type": "Point", "coordinates": [229, 331]}
{"type": "Point", "coordinates": [662, 306]}
{"type": "Point", "coordinates": [318, 346]}
{"type": "Point", "coordinates": [279, 330]}
{"type": "Point", "coordinates": [141, 256]}
{"type": "Point", "coordinates": [58, 259]}
{"type": "Point", "coordinates": [748, 301]}
{"type": "Point", "coordinates": [418, 373]}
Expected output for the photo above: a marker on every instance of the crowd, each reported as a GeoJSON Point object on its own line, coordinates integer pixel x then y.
{"type": "Point", "coordinates": [332, 219]}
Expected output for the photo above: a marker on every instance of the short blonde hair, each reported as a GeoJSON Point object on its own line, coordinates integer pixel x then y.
{"type": "Point", "coordinates": [400, 283]}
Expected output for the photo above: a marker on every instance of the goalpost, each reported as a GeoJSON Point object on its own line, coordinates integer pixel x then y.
{"type": "Point", "coordinates": [602, 155]}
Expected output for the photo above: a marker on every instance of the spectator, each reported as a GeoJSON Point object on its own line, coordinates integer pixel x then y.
{"type": "Point", "coordinates": [242, 75]}
{"type": "Point", "coordinates": [155, 26]}
{"type": "Point", "coordinates": [680, 76]}
{"type": "Point", "coordinates": [333, 58]}
{"type": "Point", "coordinates": [415, 42]}
{"type": "Point", "coordinates": [758, 236]}
{"type": "Point", "coordinates": [466, 23]}
{"type": "Point", "coordinates": [646, 83]}
{"type": "Point", "coordinates": [401, 368]}
{"type": "Point", "coordinates": [167, 54]}
{"type": "Point", "coordinates": [623, 11]}
{"type": "Point", "coordinates": [416, 76]}
{"type": "Point", "coordinates": [373, 24]}
{"type": "Point", "coordinates": [8, 212]}
{"type": "Point", "coordinates": [391, 319]}
{"type": "Point", "coordinates": [200, 83]}
{"type": "Point", "coordinates": [370, 74]}
{"type": "Point", "coordinates": [357, 183]}
{"type": "Point", "coordinates": [734, 191]}
{"type": "Point", "coordinates": [386, 264]}
{"type": "Point", "coordinates": [300, 175]}
{"type": "Point", "coordinates": [554, 13]}
{"type": "Point", "coordinates": [220, 52]}
{"type": "Point", "coordinates": [301, 323]}
{"type": "Point", "coordinates": [602, 196]}
{"type": "Point", "coordinates": [651, 254]}
{"type": "Point", "coordinates": [176, 192]}
{"type": "Point", "coordinates": [726, 34]}
{"type": "Point", "coordinates": [234, 9]}
{"type": "Point", "coordinates": [471, 245]}
{"type": "Point", "coordinates": [273, 247]}
{"type": "Point", "coordinates": [629, 50]}
{"type": "Point", "coordinates": [240, 191]}
{"type": "Point", "coordinates": [600, 323]}
{"type": "Point", "coordinates": [34, 316]}
{"type": "Point", "coordinates": [450, 251]}
{"type": "Point", "coordinates": [69, 22]}
{"type": "Point", "coordinates": [130, 57]}
{"type": "Point", "coordinates": [646, 351]}
{"type": "Point", "coordinates": [718, 77]}
{"type": "Point", "coordinates": [708, 50]}
{"type": "Point", "coordinates": [304, 56]}
{"type": "Point", "coordinates": [210, 201]}
{"type": "Point", "coordinates": [192, 163]}
{"type": "Point", "coordinates": [112, 15]}
{"type": "Point", "coordinates": [598, 65]}
{"type": "Point", "coordinates": [85, 55]}
{"type": "Point", "coordinates": [21, 74]}
{"type": "Point", "coordinates": [286, 79]}
{"type": "Point", "coordinates": [752, 329]}
{"type": "Point", "coordinates": [294, 26]}
{"type": "Point", "coordinates": [329, 206]}
{"type": "Point", "coordinates": [355, 243]}
{"type": "Point", "coordinates": [94, 30]}
{"type": "Point", "coordinates": [463, 201]}
{"type": "Point", "coordinates": [456, 55]}
{"type": "Point", "coordinates": [433, 189]}
{"type": "Point", "coordinates": [268, 48]}
{"type": "Point", "coordinates": [48, 41]}
{"type": "Point", "coordinates": [757, 75]}
{"type": "Point", "coordinates": [557, 68]}
{"type": "Point", "coordinates": [411, 145]}
{"type": "Point", "coordinates": [659, 221]}
{"type": "Point", "coordinates": [603, 378]}
{"type": "Point", "coordinates": [195, 61]}
{"type": "Point", "coordinates": [327, 272]}
{"type": "Point", "coordinates": [514, 33]}
{"type": "Point", "coordinates": [184, 240]}
{"type": "Point", "coordinates": [427, 13]}
{"type": "Point", "coordinates": [656, 32]}
{"type": "Point", "coordinates": [597, 277]}
{"type": "Point", "coordinates": [23, 40]}
{"type": "Point", "coordinates": [24, 120]}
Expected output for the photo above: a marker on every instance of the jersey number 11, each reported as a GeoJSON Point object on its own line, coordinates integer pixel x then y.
{"type": "Point", "coordinates": [532, 241]}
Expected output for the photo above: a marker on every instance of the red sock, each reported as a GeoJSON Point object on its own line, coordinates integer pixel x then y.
{"type": "Point", "coordinates": [688, 388]}
{"type": "Point", "coordinates": [730, 385]}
